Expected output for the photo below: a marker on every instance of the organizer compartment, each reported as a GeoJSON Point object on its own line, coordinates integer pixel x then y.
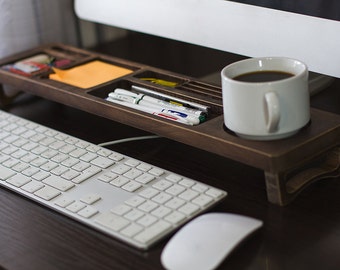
{"type": "Point", "coordinates": [103, 92]}
{"type": "Point", "coordinates": [152, 77]}
{"type": "Point", "coordinates": [57, 56]}
{"type": "Point", "coordinates": [91, 74]}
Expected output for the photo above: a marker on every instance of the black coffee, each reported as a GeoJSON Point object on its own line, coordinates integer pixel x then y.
{"type": "Point", "coordinates": [263, 76]}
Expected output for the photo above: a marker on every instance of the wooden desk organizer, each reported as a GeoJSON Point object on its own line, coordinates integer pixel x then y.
{"type": "Point", "coordinates": [289, 164]}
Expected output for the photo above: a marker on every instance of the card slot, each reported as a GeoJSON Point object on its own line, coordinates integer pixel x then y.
{"type": "Point", "coordinates": [205, 91]}
{"type": "Point", "coordinates": [166, 80]}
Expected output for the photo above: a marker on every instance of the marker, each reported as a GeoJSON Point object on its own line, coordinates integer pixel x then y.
{"type": "Point", "coordinates": [139, 99]}
{"type": "Point", "coordinates": [163, 114]}
{"type": "Point", "coordinates": [171, 99]}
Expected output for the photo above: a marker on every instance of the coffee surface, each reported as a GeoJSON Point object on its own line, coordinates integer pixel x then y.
{"type": "Point", "coordinates": [263, 76]}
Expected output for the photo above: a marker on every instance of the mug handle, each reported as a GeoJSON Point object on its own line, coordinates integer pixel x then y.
{"type": "Point", "coordinates": [272, 111]}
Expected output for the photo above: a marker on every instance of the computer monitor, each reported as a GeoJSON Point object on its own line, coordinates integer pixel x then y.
{"type": "Point", "coordinates": [253, 28]}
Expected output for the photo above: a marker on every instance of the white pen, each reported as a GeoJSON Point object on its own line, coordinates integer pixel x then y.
{"type": "Point", "coordinates": [139, 99]}
{"type": "Point", "coordinates": [161, 103]}
{"type": "Point", "coordinates": [150, 110]}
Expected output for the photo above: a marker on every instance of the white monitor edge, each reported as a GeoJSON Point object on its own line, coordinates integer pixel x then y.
{"type": "Point", "coordinates": [228, 26]}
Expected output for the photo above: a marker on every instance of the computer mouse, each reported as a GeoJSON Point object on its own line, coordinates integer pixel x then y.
{"type": "Point", "coordinates": [207, 240]}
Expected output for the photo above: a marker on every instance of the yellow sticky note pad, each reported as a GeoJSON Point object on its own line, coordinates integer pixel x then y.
{"type": "Point", "coordinates": [89, 74]}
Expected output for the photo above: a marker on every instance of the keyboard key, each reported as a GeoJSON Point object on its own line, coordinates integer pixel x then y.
{"type": "Point", "coordinates": [134, 214]}
{"type": "Point", "coordinates": [30, 171]}
{"type": "Point", "coordinates": [132, 162]}
{"type": "Point", "coordinates": [144, 167]}
{"type": "Point", "coordinates": [133, 173]}
{"type": "Point", "coordinates": [188, 195]}
{"type": "Point", "coordinates": [102, 162]}
{"type": "Point", "coordinates": [135, 201]}
{"type": "Point", "coordinates": [64, 201]}
{"type": "Point", "coordinates": [89, 172]}
{"type": "Point", "coordinates": [162, 198]}
{"type": "Point", "coordinates": [47, 193]}
{"type": "Point", "coordinates": [32, 186]}
{"type": "Point", "coordinates": [153, 231]}
{"type": "Point", "coordinates": [18, 180]}
{"type": "Point", "coordinates": [90, 198]}
{"type": "Point", "coordinates": [187, 182]}
{"type": "Point", "coordinates": [107, 177]}
{"type": "Point", "coordinates": [131, 230]}
{"type": "Point", "coordinates": [175, 203]}
{"type": "Point", "coordinates": [148, 206]}
{"type": "Point", "coordinates": [88, 212]}
{"type": "Point", "coordinates": [215, 193]}
{"type": "Point", "coordinates": [147, 220]}
{"type": "Point", "coordinates": [76, 206]}
{"type": "Point", "coordinates": [58, 183]}
{"type": "Point", "coordinates": [120, 169]}
{"type": "Point", "coordinates": [174, 178]}
{"type": "Point", "coordinates": [161, 211]}
{"type": "Point", "coordinates": [112, 221]}
{"type": "Point", "coordinates": [40, 175]}
{"type": "Point", "coordinates": [202, 200]}
{"type": "Point", "coordinates": [162, 184]}
{"type": "Point", "coordinates": [119, 181]}
{"type": "Point", "coordinates": [6, 172]}
{"type": "Point", "coordinates": [145, 178]}
{"type": "Point", "coordinates": [121, 209]}
{"type": "Point", "coordinates": [156, 171]}
{"type": "Point", "coordinates": [131, 186]}
{"type": "Point", "coordinates": [148, 193]}
{"type": "Point", "coordinates": [69, 174]}
{"type": "Point", "coordinates": [189, 209]}
{"type": "Point", "coordinates": [175, 190]}
{"type": "Point", "coordinates": [175, 218]}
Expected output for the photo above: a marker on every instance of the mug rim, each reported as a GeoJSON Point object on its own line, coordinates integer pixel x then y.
{"type": "Point", "coordinates": [236, 65]}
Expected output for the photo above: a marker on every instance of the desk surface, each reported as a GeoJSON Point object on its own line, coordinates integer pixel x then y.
{"type": "Point", "coordinates": [302, 235]}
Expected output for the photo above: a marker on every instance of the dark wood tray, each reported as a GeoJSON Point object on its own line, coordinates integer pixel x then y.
{"type": "Point", "coordinates": [289, 164]}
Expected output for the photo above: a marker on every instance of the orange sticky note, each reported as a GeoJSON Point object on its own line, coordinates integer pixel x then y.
{"type": "Point", "coordinates": [90, 74]}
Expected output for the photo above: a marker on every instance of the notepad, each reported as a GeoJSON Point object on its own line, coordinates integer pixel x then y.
{"type": "Point", "coordinates": [90, 74]}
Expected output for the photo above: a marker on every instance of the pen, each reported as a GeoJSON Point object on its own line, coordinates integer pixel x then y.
{"type": "Point", "coordinates": [139, 99]}
{"type": "Point", "coordinates": [163, 114]}
{"type": "Point", "coordinates": [171, 99]}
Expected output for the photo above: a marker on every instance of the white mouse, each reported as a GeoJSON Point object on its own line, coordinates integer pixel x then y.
{"type": "Point", "coordinates": [206, 241]}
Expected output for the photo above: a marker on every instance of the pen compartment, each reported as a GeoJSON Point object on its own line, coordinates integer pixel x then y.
{"type": "Point", "coordinates": [183, 87]}
{"type": "Point", "coordinates": [214, 109]}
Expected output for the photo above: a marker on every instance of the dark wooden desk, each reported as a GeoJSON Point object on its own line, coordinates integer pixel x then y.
{"type": "Point", "coordinates": [302, 235]}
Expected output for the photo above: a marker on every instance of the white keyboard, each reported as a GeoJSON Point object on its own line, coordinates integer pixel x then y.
{"type": "Point", "coordinates": [128, 199]}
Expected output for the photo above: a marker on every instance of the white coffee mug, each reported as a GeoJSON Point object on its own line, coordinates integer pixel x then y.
{"type": "Point", "coordinates": [273, 106]}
